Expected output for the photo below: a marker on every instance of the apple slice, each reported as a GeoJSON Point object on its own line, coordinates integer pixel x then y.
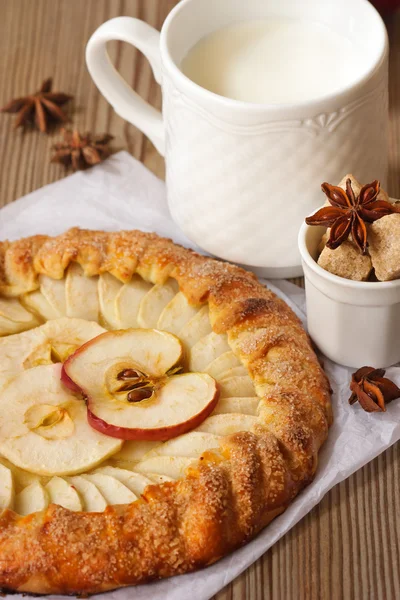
{"type": "Point", "coordinates": [136, 482]}
{"type": "Point", "coordinates": [94, 367]}
{"type": "Point", "coordinates": [108, 289]}
{"type": "Point", "coordinates": [190, 445]}
{"type": "Point", "coordinates": [93, 500]}
{"type": "Point", "coordinates": [55, 340]}
{"type": "Point", "coordinates": [39, 356]}
{"type": "Point", "coordinates": [128, 301]}
{"type": "Point", "coordinates": [206, 350]}
{"type": "Point", "coordinates": [11, 309]}
{"type": "Point", "coordinates": [14, 317]}
{"type": "Point", "coordinates": [111, 488]}
{"type": "Point", "coordinates": [44, 429]}
{"type": "Point", "coordinates": [54, 292]}
{"type": "Point", "coordinates": [246, 406]}
{"type": "Point", "coordinates": [157, 479]}
{"type": "Point", "coordinates": [181, 404]}
{"type": "Point", "coordinates": [172, 466]}
{"type": "Point", "coordinates": [228, 424]}
{"type": "Point", "coordinates": [131, 389]}
{"type": "Point", "coordinates": [196, 328]}
{"type": "Point", "coordinates": [64, 494]}
{"type": "Point", "coordinates": [37, 303]}
{"type": "Point", "coordinates": [235, 372]}
{"type": "Point", "coordinates": [20, 351]}
{"type": "Point", "coordinates": [6, 488]}
{"type": "Point", "coordinates": [241, 385]}
{"type": "Point", "coordinates": [31, 499]}
{"type": "Point", "coordinates": [176, 314]}
{"type": "Point", "coordinates": [225, 362]}
{"type": "Point", "coordinates": [21, 478]}
{"type": "Point", "coordinates": [154, 302]}
{"type": "Point", "coordinates": [81, 294]}
{"type": "Point", "coordinates": [134, 451]}
{"type": "Point", "coordinates": [67, 334]}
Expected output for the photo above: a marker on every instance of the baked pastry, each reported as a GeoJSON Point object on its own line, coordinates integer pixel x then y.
{"type": "Point", "coordinates": [156, 509]}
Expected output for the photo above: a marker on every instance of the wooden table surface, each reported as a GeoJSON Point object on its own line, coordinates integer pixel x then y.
{"type": "Point", "coordinates": [349, 545]}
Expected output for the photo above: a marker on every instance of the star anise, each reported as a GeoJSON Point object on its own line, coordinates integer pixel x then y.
{"type": "Point", "coordinates": [39, 108]}
{"type": "Point", "coordinates": [81, 150]}
{"type": "Point", "coordinates": [349, 213]}
{"type": "Point", "coordinates": [372, 390]}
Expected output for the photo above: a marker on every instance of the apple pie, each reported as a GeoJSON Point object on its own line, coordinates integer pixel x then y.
{"type": "Point", "coordinates": [157, 409]}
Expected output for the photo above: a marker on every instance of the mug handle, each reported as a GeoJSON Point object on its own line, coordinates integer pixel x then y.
{"type": "Point", "coordinates": [126, 102]}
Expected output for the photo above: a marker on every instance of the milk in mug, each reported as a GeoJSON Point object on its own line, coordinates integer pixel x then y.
{"type": "Point", "coordinates": [273, 61]}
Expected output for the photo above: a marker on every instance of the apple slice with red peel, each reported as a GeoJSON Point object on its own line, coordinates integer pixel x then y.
{"type": "Point", "coordinates": [69, 384]}
{"type": "Point", "coordinates": [179, 405]}
{"type": "Point", "coordinates": [133, 390]}
{"type": "Point", "coordinates": [96, 365]}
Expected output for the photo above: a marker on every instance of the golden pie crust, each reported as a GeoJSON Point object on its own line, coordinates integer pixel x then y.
{"type": "Point", "coordinates": [229, 494]}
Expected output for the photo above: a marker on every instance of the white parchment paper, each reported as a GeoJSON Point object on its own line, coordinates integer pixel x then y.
{"type": "Point", "coordinates": [122, 194]}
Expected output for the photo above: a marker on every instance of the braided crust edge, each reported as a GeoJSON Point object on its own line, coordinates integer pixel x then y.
{"type": "Point", "coordinates": [231, 493]}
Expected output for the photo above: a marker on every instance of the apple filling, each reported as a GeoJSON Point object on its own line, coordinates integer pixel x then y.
{"type": "Point", "coordinates": [159, 383]}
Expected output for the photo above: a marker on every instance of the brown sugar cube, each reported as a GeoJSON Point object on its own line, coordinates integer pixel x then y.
{"type": "Point", "coordinates": [323, 241]}
{"type": "Point", "coordinates": [384, 247]}
{"type": "Point", "coordinates": [384, 196]}
{"type": "Point", "coordinates": [356, 185]}
{"type": "Point", "coordinates": [346, 261]}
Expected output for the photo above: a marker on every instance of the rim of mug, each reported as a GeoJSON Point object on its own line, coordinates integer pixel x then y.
{"type": "Point", "coordinates": [381, 286]}
{"type": "Point", "coordinates": [241, 105]}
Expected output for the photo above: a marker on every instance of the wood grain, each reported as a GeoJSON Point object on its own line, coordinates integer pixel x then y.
{"type": "Point", "coordinates": [348, 546]}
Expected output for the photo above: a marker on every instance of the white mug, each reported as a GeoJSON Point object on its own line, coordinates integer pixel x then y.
{"type": "Point", "coordinates": [242, 176]}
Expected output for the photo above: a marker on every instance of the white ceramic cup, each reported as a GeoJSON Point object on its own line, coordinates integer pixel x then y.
{"type": "Point", "coordinates": [354, 323]}
{"type": "Point", "coordinates": [241, 176]}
